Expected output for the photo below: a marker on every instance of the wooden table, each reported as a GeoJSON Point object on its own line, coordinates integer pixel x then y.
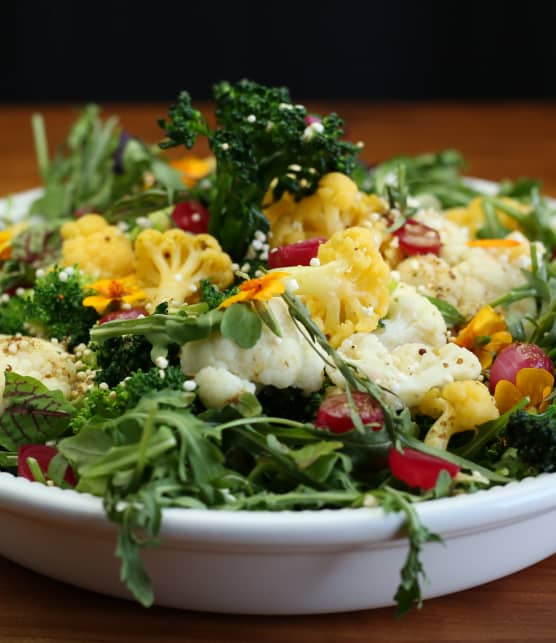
{"type": "Point", "coordinates": [499, 141]}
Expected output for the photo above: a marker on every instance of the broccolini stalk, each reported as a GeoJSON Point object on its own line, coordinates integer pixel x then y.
{"type": "Point", "coordinates": [263, 146]}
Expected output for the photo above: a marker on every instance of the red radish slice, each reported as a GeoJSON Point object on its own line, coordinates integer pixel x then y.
{"type": "Point", "coordinates": [513, 358]}
{"type": "Point", "coordinates": [416, 238]}
{"type": "Point", "coordinates": [334, 415]}
{"type": "Point", "coordinates": [418, 469]}
{"type": "Point", "coordinates": [43, 455]}
{"type": "Point", "coordinates": [123, 314]}
{"type": "Point", "coordinates": [295, 254]}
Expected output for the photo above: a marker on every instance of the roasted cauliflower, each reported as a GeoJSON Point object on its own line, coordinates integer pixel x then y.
{"type": "Point", "coordinates": [99, 249]}
{"type": "Point", "coordinates": [171, 264]}
{"type": "Point", "coordinates": [273, 361]}
{"type": "Point", "coordinates": [337, 204]}
{"type": "Point", "coordinates": [459, 406]}
{"type": "Point", "coordinates": [348, 292]}
{"type": "Point", "coordinates": [468, 277]}
{"type": "Point", "coordinates": [408, 370]}
{"type": "Point", "coordinates": [411, 318]}
{"type": "Point", "coordinates": [45, 361]}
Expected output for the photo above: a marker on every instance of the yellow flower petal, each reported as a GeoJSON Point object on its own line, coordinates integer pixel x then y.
{"type": "Point", "coordinates": [260, 289]}
{"type": "Point", "coordinates": [98, 302]}
{"type": "Point", "coordinates": [193, 168]}
{"type": "Point", "coordinates": [487, 323]}
{"type": "Point", "coordinates": [506, 395]}
{"type": "Point", "coordinates": [535, 383]}
{"type": "Point", "coordinates": [123, 290]}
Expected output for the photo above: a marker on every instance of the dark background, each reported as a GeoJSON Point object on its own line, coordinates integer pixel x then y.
{"type": "Point", "coordinates": [391, 49]}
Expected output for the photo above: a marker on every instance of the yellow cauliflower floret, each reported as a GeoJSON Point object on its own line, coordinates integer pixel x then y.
{"type": "Point", "coordinates": [459, 406]}
{"type": "Point", "coordinates": [472, 216]}
{"type": "Point", "coordinates": [171, 264]}
{"type": "Point", "coordinates": [337, 204]}
{"type": "Point", "coordinates": [349, 291]}
{"type": "Point", "coordinates": [98, 248]}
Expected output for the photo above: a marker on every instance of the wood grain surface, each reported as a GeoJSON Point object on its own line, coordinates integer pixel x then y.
{"type": "Point", "coordinates": [499, 141]}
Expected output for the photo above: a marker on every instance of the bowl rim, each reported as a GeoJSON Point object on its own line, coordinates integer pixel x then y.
{"type": "Point", "coordinates": [453, 516]}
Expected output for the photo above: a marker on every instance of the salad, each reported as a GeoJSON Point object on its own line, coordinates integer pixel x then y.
{"type": "Point", "coordinates": [276, 326]}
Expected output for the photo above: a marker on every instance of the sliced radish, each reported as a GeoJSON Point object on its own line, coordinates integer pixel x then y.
{"type": "Point", "coordinates": [295, 254]}
{"type": "Point", "coordinates": [334, 412]}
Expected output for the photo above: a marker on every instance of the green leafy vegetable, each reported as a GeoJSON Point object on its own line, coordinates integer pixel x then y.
{"type": "Point", "coordinates": [241, 324]}
{"type": "Point", "coordinates": [450, 313]}
{"type": "Point", "coordinates": [55, 308]}
{"type": "Point", "coordinates": [262, 143]}
{"type": "Point", "coordinates": [31, 413]}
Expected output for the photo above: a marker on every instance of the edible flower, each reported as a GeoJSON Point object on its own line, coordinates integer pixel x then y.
{"type": "Point", "coordinates": [121, 291]}
{"type": "Point", "coordinates": [260, 289]}
{"type": "Point", "coordinates": [193, 168]}
{"type": "Point", "coordinates": [6, 237]}
{"type": "Point", "coordinates": [534, 383]}
{"type": "Point", "coordinates": [485, 335]}
{"type": "Point", "coordinates": [493, 243]}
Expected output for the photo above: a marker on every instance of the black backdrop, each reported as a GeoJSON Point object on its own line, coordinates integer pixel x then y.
{"type": "Point", "coordinates": [122, 50]}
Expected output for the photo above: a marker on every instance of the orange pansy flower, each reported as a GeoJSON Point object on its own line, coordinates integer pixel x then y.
{"type": "Point", "coordinates": [260, 289]}
{"type": "Point", "coordinates": [534, 383]}
{"type": "Point", "coordinates": [193, 168]}
{"type": "Point", "coordinates": [124, 290]}
{"type": "Point", "coordinates": [485, 335]}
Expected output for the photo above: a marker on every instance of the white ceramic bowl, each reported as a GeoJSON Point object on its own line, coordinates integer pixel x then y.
{"type": "Point", "coordinates": [280, 563]}
{"type": "Point", "coordinates": [285, 562]}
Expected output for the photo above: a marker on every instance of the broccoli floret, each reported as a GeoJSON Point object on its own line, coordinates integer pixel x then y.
{"type": "Point", "coordinates": [104, 403]}
{"type": "Point", "coordinates": [98, 403]}
{"type": "Point", "coordinates": [12, 316]}
{"type": "Point", "coordinates": [263, 142]}
{"type": "Point", "coordinates": [212, 295]}
{"type": "Point", "coordinates": [119, 357]}
{"type": "Point", "coordinates": [142, 383]}
{"type": "Point", "coordinates": [55, 308]}
{"type": "Point", "coordinates": [534, 438]}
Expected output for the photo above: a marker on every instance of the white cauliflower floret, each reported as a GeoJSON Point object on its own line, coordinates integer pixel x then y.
{"type": "Point", "coordinates": [411, 318]}
{"type": "Point", "coordinates": [273, 361]}
{"type": "Point", "coordinates": [38, 358]}
{"type": "Point", "coordinates": [409, 370]}
{"type": "Point", "coordinates": [217, 387]}
{"type": "Point", "coordinates": [479, 275]}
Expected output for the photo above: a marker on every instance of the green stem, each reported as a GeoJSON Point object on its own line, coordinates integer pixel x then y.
{"type": "Point", "coordinates": [41, 143]}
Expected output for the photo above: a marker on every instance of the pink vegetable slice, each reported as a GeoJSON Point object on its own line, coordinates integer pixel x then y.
{"type": "Point", "coordinates": [513, 358]}
{"type": "Point", "coordinates": [334, 415]}
{"type": "Point", "coordinates": [295, 254]}
{"type": "Point", "coordinates": [43, 454]}
{"type": "Point", "coordinates": [418, 469]}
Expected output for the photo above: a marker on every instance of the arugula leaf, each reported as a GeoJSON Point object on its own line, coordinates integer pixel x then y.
{"type": "Point", "coordinates": [450, 313]}
{"type": "Point", "coordinates": [409, 590]}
